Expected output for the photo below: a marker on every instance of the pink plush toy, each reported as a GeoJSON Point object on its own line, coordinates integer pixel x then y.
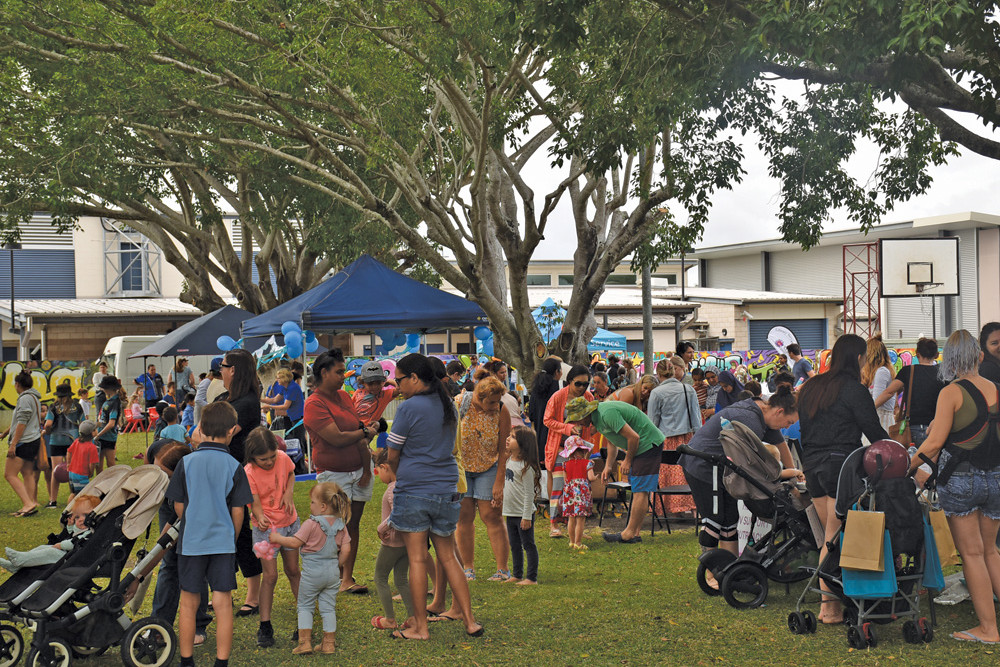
{"type": "Point", "coordinates": [265, 550]}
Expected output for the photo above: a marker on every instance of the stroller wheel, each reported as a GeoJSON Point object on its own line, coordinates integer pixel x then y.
{"type": "Point", "coordinates": [797, 623]}
{"type": "Point", "coordinates": [810, 619]}
{"type": "Point", "coordinates": [745, 586]}
{"type": "Point", "coordinates": [713, 562]}
{"type": "Point", "coordinates": [911, 633]}
{"type": "Point", "coordinates": [870, 635]}
{"type": "Point", "coordinates": [149, 642]}
{"type": "Point", "coordinates": [926, 631]}
{"type": "Point", "coordinates": [856, 638]}
{"type": "Point", "coordinates": [55, 653]}
{"type": "Point", "coordinates": [11, 645]}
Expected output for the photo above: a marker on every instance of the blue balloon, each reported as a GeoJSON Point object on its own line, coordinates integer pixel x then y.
{"type": "Point", "coordinates": [487, 347]}
{"type": "Point", "coordinates": [290, 326]}
{"type": "Point", "coordinates": [294, 351]}
{"type": "Point", "coordinates": [413, 341]}
{"type": "Point", "coordinates": [225, 343]}
{"type": "Point", "coordinates": [399, 339]}
{"type": "Point", "coordinates": [482, 333]}
{"type": "Point", "coordinates": [293, 338]}
{"type": "Point", "coordinates": [310, 336]}
{"type": "Point", "coordinates": [312, 345]}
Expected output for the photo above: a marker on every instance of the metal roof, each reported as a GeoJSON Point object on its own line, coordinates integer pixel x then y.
{"type": "Point", "coordinates": [60, 309]}
{"type": "Point", "coordinates": [905, 229]}
{"type": "Point", "coordinates": [738, 296]}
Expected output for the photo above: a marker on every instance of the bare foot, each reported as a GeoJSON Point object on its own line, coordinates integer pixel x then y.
{"type": "Point", "coordinates": [511, 580]}
{"type": "Point", "coordinates": [527, 582]}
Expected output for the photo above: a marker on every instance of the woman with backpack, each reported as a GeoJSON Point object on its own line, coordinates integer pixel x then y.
{"type": "Point", "coordinates": [183, 379]}
{"type": "Point", "coordinates": [62, 424]}
{"type": "Point", "coordinates": [966, 441]}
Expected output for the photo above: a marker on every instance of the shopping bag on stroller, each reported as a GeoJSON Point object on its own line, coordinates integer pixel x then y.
{"type": "Point", "coordinates": [872, 584]}
{"type": "Point", "coordinates": [860, 545]}
{"type": "Point", "coordinates": [933, 575]}
{"type": "Point", "coordinates": [947, 553]}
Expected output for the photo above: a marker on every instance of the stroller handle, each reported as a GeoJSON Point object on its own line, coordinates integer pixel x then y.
{"type": "Point", "coordinates": [684, 449]}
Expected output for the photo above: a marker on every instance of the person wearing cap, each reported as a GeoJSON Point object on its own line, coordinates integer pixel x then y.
{"type": "Point", "coordinates": [217, 386]}
{"type": "Point", "coordinates": [62, 424]}
{"type": "Point", "coordinates": [624, 425]}
{"type": "Point", "coordinates": [112, 412]}
{"type": "Point", "coordinates": [201, 394]}
{"type": "Point", "coordinates": [373, 395]}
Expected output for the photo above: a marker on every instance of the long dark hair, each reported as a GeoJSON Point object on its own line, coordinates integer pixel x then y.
{"type": "Point", "coordinates": [528, 444]}
{"type": "Point", "coordinates": [545, 383]}
{"type": "Point", "coordinates": [245, 380]}
{"type": "Point", "coordinates": [984, 335]}
{"type": "Point", "coordinates": [821, 392]}
{"type": "Point", "coordinates": [328, 359]}
{"type": "Point", "coordinates": [419, 365]}
{"type": "Point", "coordinates": [577, 371]}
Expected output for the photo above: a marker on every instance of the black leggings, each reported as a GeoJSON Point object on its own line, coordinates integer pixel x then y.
{"type": "Point", "coordinates": [521, 542]}
{"type": "Point", "coordinates": [718, 522]}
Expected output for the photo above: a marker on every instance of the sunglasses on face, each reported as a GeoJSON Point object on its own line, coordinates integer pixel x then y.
{"type": "Point", "coordinates": [581, 384]}
{"type": "Point", "coordinates": [225, 365]}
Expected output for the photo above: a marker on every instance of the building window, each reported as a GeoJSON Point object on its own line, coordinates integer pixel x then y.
{"type": "Point", "coordinates": [132, 263]}
{"type": "Point", "coordinates": [622, 279]}
{"type": "Point", "coordinates": [539, 280]}
{"type": "Point", "coordinates": [671, 278]}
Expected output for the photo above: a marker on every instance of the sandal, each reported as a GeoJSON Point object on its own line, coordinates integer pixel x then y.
{"type": "Point", "coordinates": [555, 532]}
{"type": "Point", "coordinates": [500, 575]}
{"type": "Point", "coordinates": [247, 610]}
{"type": "Point", "coordinates": [470, 574]}
{"type": "Point", "coordinates": [381, 623]}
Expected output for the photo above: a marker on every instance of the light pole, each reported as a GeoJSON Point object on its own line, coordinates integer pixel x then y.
{"type": "Point", "coordinates": [10, 247]}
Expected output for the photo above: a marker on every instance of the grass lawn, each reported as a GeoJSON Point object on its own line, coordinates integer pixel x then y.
{"type": "Point", "coordinates": [616, 604]}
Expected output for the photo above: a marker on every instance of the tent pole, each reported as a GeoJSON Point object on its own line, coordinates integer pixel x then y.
{"type": "Point", "coordinates": [423, 343]}
{"type": "Point", "coordinates": [371, 337]}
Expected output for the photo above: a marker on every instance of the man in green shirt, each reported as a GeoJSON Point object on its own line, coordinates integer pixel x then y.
{"type": "Point", "coordinates": [625, 425]}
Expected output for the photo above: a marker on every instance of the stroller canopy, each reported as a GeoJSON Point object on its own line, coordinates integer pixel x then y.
{"type": "Point", "coordinates": [147, 484]}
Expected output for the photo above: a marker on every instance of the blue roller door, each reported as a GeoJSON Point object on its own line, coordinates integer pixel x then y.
{"type": "Point", "coordinates": [39, 274]}
{"type": "Point", "coordinates": [811, 334]}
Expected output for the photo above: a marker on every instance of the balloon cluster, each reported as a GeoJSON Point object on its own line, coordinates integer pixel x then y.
{"type": "Point", "coordinates": [298, 341]}
{"type": "Point", "coordinates": [484, 338]}
{"type": "Point", "coordinates": [395, 338]}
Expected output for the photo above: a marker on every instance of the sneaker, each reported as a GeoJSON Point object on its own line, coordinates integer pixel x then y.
{"type": "Point", "coordinates": [470, 574]}
{"type": "Point", "coordinates": [500, 575]}
{"type": "Point", "coordinates": [265, 637]}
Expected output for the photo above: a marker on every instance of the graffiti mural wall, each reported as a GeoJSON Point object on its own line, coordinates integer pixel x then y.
{"type": "Point", "coordinates": [46, 375]}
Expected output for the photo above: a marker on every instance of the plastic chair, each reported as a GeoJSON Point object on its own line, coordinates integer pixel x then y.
{"type": "Point", "coordinates": [132, 425]}
{"type": "Point", "coordinates": [153, 416]}
{"type": "Point", "coordinates": [671, 458]}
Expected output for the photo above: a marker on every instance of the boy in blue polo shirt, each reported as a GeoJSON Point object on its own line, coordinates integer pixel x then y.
{"type": "Point", "coordinates": [209, 490]}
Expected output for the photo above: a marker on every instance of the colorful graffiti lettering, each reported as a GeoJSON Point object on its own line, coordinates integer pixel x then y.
{"type": "Point", "coordinates": [46, 378]}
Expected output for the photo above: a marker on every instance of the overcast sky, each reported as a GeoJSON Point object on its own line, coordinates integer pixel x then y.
{"type": "Point", "coordinates": [969, 182]}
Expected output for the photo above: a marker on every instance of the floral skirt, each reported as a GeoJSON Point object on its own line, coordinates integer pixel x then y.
{"type": "Point", "coordinates": [576, 498]}
{"type": "Point", "coordinates": [673, 475]}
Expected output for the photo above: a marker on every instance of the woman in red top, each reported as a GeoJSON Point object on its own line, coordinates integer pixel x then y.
{"type": "Point", "coordinates": [340, 447]}
{"type": "Point", "coordinates": [578, 379]}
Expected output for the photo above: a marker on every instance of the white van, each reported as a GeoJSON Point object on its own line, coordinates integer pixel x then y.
{"type": "Point", "coordinates": [120, 348]}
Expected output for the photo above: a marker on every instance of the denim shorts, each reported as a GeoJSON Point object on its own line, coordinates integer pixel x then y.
{"type": "Point", "coordinates": [412, 513]}
{"type": "Point", "coordinates": [284, 531]}
{"type": "Point", "coordinates": [969, 491]}
{"type": "Point", "coordinates": [349, 482]}
{"type": "Point", "coordinates": [481, 483]}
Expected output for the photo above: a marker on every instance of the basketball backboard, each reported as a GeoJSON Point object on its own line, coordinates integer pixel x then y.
{"type": "Point", "coordinates": [918, 267]}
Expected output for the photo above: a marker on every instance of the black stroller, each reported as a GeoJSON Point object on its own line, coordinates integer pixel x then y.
{"type": "Point", "coordinates": [751, 474]}
{"type": "Point", "coordinates": [904, 520]}
{"type": "Point", "coordinates": [75, 607]}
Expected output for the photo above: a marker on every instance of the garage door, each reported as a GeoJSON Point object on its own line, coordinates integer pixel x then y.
{"type": "Point", "coordinates": [811, 334]}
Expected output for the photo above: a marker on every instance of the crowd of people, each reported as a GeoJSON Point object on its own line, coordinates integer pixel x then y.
{"type": "Point", "coordinates": [462, 443]}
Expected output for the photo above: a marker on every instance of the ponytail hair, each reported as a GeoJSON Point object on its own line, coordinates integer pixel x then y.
{"type": "Point", "coordinates": [331, 495]}
{"type": "Point", "coordinates": [783, 398]}
{"type": "Point", "coordinates": [419, 365]}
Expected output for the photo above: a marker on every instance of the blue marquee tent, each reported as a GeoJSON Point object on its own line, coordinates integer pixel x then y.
{"type": "Point", "coordinates": [549, 317]}
{"type": "Point", "coordinates": [368, 296]}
